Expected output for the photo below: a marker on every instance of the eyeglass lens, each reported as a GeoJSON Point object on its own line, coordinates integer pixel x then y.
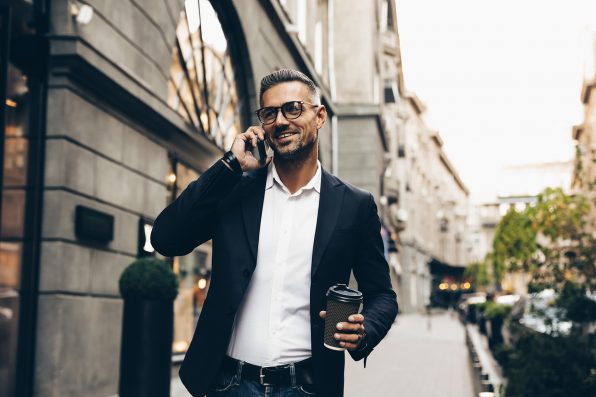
{"type": "Point", "coordinates": [290, 110]}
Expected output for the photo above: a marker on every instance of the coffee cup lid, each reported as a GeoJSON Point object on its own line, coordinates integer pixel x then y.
{"type": "Point", "coordinates": [343, 293]}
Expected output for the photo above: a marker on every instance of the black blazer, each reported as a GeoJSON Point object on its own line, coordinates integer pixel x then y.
{"type": "Point", "coordinates": [226, 208]}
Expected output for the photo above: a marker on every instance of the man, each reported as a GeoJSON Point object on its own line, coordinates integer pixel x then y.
{"type": "Point", "coordinates": [283, 232]}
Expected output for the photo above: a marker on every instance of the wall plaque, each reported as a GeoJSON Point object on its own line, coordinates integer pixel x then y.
{"type": "Point", "coordinates": [93, 225]}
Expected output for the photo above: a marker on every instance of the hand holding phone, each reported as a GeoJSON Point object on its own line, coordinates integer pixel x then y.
{"type": "Point", "coordinates": [250, 145]}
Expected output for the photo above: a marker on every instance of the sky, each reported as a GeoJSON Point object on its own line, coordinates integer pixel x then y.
{"type": "Point", "coordinates": [501, 80]}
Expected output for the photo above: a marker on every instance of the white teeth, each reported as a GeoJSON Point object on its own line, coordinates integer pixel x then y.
{"type": "Point", "coordinates": [284, 136]}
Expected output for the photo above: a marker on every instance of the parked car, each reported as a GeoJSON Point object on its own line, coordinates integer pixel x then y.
{"type": "Point", "coordinates": [537, 312]}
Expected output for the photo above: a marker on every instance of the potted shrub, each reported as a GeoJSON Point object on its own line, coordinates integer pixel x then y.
{"type": "Point", "coordinates": [148, 287]}
{"type": "Point", "coordinates": [496, 314]}
{"type": "Point", "coordinates": [481, 317]}
{"type": "Point", "coordinates": [472, 312]}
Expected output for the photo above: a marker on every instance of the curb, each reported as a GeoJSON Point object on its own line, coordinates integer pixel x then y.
{"type": "Point", "coordinates": [485, 384]}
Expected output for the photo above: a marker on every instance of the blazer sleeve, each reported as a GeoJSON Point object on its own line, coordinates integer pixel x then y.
{"type": "Point", "coordinates": [372, 274]}
{"type": "Point", "coordinates": [190, 219]}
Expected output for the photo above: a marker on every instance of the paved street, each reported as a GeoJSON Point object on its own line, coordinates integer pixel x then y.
{"type": "Point", "coordinates": [412, 361]}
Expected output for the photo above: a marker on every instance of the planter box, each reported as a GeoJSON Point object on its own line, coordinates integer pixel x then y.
{"type": "Point", "coordinates": [146, 352]}
{"type": "Point", "coordinates": [495, 331]}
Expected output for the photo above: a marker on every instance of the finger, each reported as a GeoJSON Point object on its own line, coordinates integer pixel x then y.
{"type": "Point", "coordinates": [243, 140]}
{"type": "Point", "coordinates": [348, 338]}
{"type": "Point", "coordinates": [322, 313]}
{"type": "Point", "coordinates": [356, 318]}
{"type": "Point", "coordinates": [259, 131]}
{"type": "Point", "coordinates": [350, 346]}
{"type": "Point", "coordinates": [243, 137]}
{"type": "Point", "coordinates": [252, 136]}
{"type": "Point", "coordinates": [349, 327]}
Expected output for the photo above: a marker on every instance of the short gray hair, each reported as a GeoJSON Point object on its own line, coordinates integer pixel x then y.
{"type": "Point", "coordinates": [287, 75]}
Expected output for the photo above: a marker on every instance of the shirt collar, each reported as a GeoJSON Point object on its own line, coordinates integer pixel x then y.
{"type": "Point", "coordinates": [314, 183]}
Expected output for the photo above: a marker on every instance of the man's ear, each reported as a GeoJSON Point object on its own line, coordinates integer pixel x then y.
{"type": "Point", "coordinates": [321, 116]}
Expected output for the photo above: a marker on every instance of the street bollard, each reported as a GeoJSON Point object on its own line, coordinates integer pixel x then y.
{"type": "Point", "coordinates": [477, 370]}
{"type": "Point", "coordinates": [486, 386]}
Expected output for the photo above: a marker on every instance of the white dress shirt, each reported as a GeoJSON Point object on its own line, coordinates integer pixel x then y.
{"type": "Point", "coordinates": [272, 326]}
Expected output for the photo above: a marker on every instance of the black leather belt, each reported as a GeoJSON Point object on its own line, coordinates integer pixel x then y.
{"type": "Point", "coordinates": [271, 376]}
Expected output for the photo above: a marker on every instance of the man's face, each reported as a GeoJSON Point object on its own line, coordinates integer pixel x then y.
{"type": "Point", "coordinates": [296, 138]}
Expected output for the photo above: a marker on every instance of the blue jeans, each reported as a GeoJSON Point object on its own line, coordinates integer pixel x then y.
{"type": "Point", "coordinates": [232, 385]}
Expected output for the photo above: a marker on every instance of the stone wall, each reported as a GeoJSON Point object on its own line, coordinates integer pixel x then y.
{"type": "Point", "coordinates": [100, 155]}
{"type": "Point", "coordinates": [360, 153]}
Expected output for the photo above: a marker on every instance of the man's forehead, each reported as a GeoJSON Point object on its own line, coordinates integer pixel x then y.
{"type": "Point", "coordinates": [284, 92]}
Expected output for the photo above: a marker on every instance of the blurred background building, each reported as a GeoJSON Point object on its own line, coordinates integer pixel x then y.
{"type": "Point", "coordinates": [584, 134]}
{"type": "Point", "coordinates": [518, 187]}
{"type": "Point", "coordinates": [113, 107]}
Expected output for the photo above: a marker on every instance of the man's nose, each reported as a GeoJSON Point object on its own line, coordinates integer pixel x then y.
{"type": "Point", "coordinates": [280, 119]}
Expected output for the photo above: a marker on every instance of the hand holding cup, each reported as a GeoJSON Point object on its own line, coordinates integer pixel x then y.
{"type": "Point", "coordinates": [344, 327]}
{"type": "Point", "coordinates": [355, 325]}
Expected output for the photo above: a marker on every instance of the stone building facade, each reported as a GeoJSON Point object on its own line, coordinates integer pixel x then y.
{"type": "Point", "coordinates": [367, 92]}
{"type": "Point", "coordinates": [434, 204]}
{"type": "Point", "coordinates": [584, 170]}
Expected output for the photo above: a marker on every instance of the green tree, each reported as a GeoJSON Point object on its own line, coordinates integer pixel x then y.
{"type": "Point", "coordinates": [549, 240]}
{"type": "Point", "coordinates": [514, 244]}
{"type": "Point", "coordinates": [566, 251]}
{"type": "Point", "coordinates": [478, 274]}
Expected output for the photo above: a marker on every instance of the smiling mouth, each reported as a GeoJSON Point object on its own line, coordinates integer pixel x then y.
{"type": "Point", "coordinates": [285, 135]}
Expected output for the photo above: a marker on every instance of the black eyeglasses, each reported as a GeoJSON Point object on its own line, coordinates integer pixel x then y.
{"type": "Point", "coordinates": [291, 110]}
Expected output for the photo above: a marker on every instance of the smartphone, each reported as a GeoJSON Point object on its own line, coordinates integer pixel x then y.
{"type": "Point", "coordinates": [262, 151]}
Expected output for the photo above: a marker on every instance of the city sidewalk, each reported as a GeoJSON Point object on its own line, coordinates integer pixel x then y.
{"type": "Point", "coordinates": [412, 361]}
{"type": "Point", "coordinates": [415, 361]}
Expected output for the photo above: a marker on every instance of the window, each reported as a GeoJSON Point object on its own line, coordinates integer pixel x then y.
{"type": "Point", "coordinates": [14, 194]}
{"type": "Point", "coordinates": [202, 86]}
{"type": "Point", "coordinates": [387, 23]}
{"type": "Point", "coordinates": [296, 12]}
{"type": "Point", "coordinates": [319, 47]}
{"type": "Point", "coordinates": [203, 90]}
{"type": "Point", "coordinates": [390, 91]}
{"type": "Point", "coordinates": [193, 271]}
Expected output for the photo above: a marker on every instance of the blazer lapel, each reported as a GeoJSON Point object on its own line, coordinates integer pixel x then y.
{"type": "Point", "coordinates": [252, 207]}
{"type": "Point", "coordinates": [330, 202]}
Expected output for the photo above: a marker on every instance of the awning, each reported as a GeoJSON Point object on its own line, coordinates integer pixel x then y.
{"type": "Point", "coordinates": [439, 268]}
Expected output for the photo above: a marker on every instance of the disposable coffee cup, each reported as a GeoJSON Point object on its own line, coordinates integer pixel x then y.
{"type": "Point", "coordinates": [341, 303]}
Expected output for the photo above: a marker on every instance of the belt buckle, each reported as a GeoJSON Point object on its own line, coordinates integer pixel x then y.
{"type": "Point", "coordinates": [262, 377]}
